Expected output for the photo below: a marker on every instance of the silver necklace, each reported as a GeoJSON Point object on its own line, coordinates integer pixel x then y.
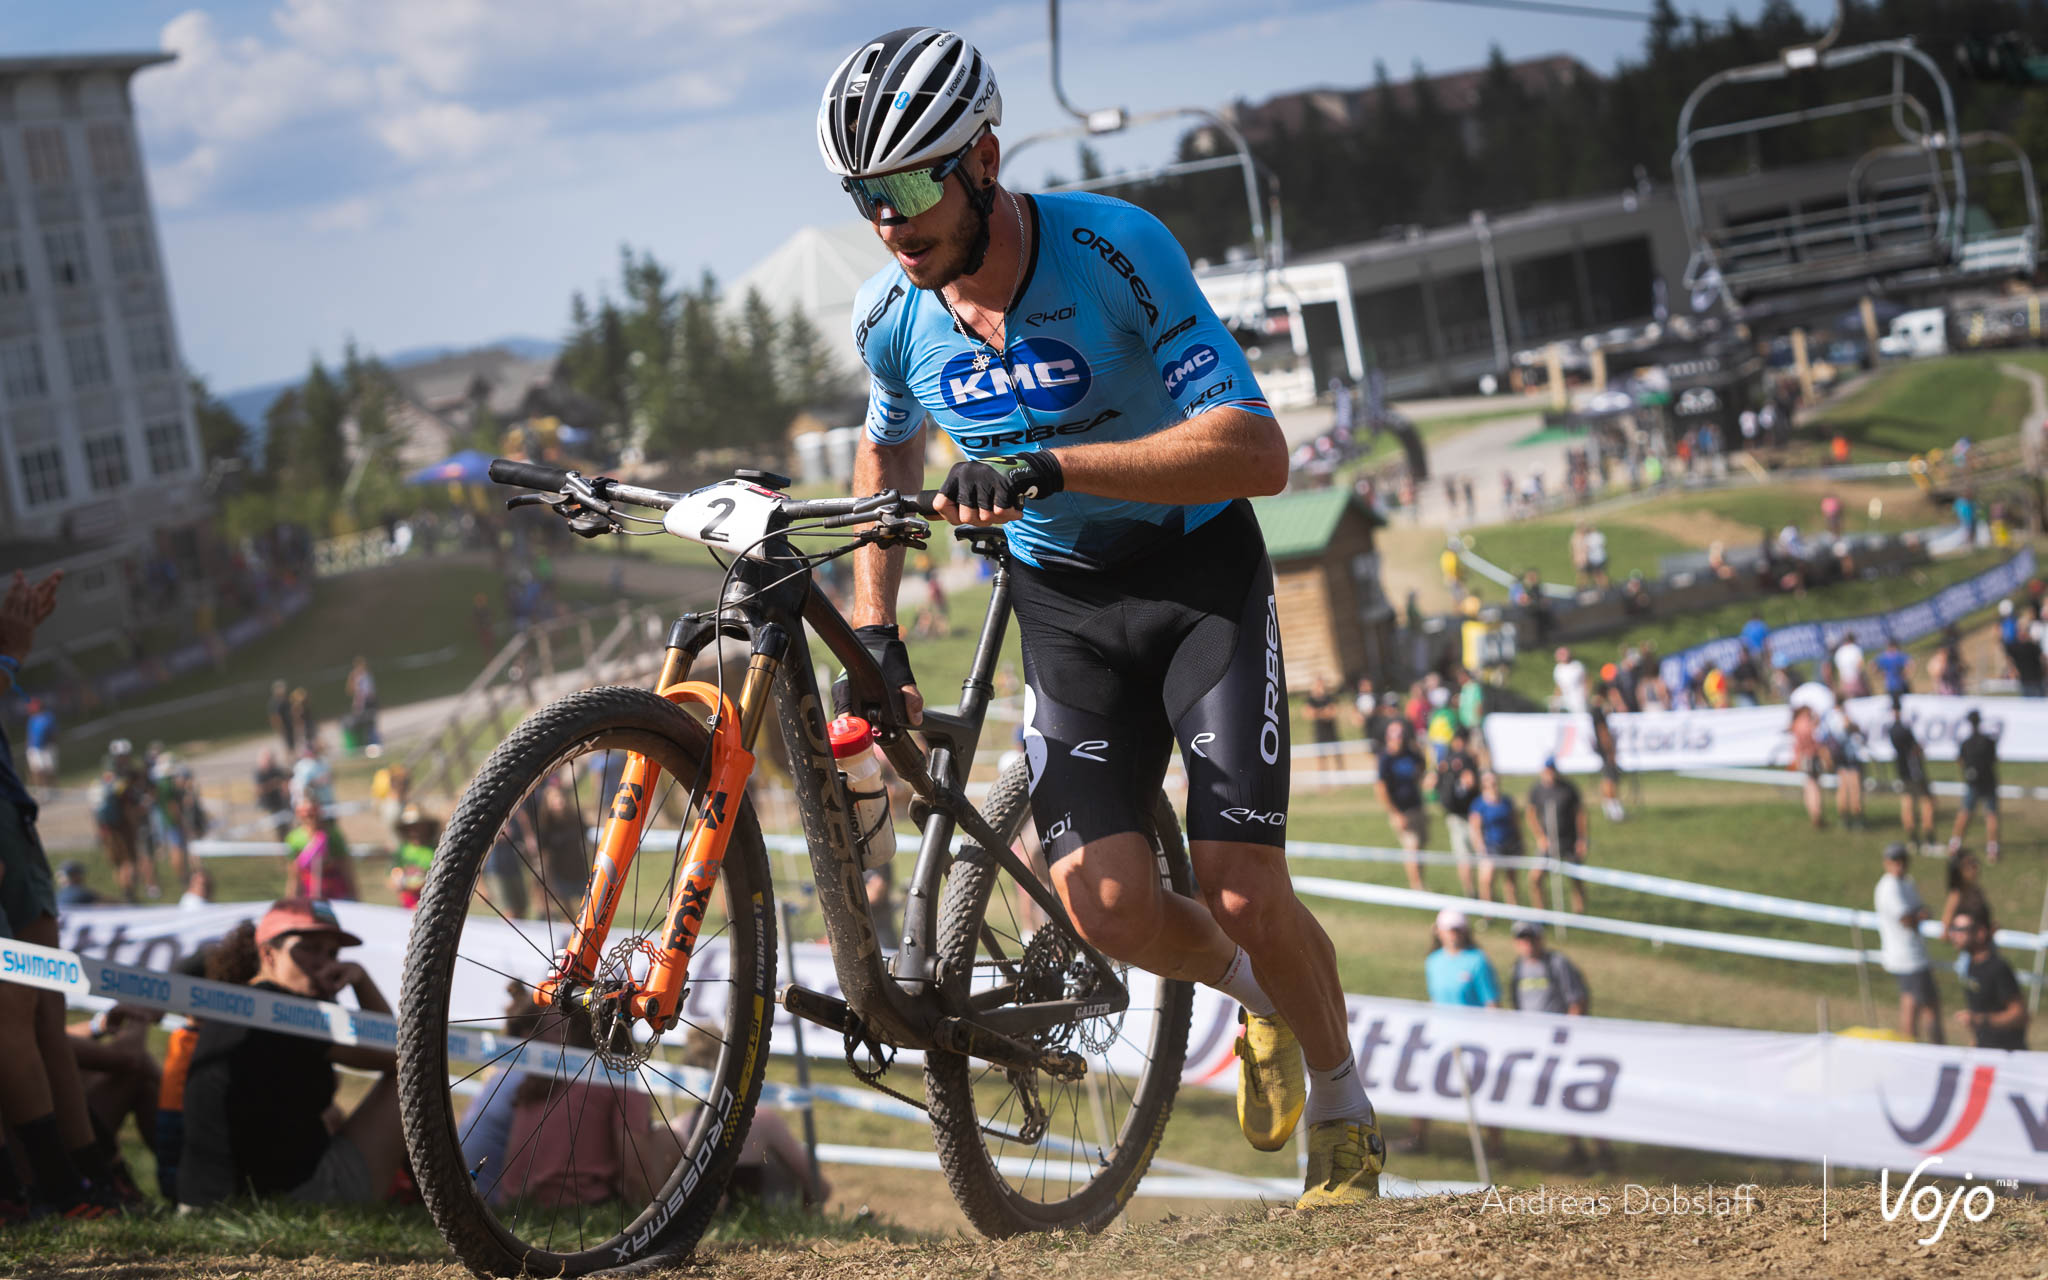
{"type": "Point", "coordinates": [987, 354]}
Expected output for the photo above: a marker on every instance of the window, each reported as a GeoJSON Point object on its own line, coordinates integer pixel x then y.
{"type": "Point", "coordinates": [168, 450]}
{"type": "Point", "coordinates": [149, 346]}
{"type": "Point", "coordinates": [13, 268]}
{"type": "Point", "coordinates": [86, 353]}
{"type": "Point", "coordinates": [21, 371]}
{"type": "Point", "coordinates": [112, 155]}
{"type": "Point", "coordinates": [130, 251]}
{"type": "Point", "coordinates": [48, 164]}
{"type": "Point", "coordinates": [65, 248]}
{"type": "Point", "coordinates": [42, 475]}
{"type": "Point", "coordinates": [106, 462]}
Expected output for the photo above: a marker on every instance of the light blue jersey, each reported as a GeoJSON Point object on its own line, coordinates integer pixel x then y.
{"type": "Point", "coordinates": [1109, 339]}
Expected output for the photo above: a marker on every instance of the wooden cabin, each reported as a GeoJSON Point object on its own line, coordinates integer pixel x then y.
{"type": "Point", "coordinates": [1335, 621]}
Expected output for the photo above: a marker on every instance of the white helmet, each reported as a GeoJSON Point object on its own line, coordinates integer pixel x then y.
{"type": "Point", "coordinates": [917, 94]}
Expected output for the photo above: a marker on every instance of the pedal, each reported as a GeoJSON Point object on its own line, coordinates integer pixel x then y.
{"type": "Point", "coordinates": [816, 1006]}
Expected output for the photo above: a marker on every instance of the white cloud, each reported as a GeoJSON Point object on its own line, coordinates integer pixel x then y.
{"type": "Point", "coordinates": [353, 214]}
{"type": "Point", "coordinates": [434, 84]}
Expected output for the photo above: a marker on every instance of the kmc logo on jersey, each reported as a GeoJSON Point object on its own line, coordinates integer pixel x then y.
{"type": "Point", "coordinates": [1045, 373]}
{"type": "Point", "coordinates": [1193, 363]}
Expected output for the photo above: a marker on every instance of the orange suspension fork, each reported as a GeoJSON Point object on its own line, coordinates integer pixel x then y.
{"type": "Point", "coordinates": [734, 730]}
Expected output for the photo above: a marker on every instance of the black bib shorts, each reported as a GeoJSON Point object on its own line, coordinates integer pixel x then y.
{"type": "Point", "coordinates": [1181, 644]}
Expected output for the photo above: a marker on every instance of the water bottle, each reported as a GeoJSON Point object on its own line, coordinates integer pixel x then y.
{"type": "Point", "coordinates": [861, 770]}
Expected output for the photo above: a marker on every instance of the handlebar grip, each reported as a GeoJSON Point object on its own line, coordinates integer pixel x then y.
{"type": "Point", "coordinates": [923, 500]}
{"type": "Point", "coordinates": [527, 475]}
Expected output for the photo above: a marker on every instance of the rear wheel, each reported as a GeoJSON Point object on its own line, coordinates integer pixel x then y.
{"type": "Point", "coordinates": [537, 1151]}
{"type": "Point", "coordinates": [1024, 1151]}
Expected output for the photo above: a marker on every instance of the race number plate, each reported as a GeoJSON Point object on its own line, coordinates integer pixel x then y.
{"type": "Point", "coordinates": [731, 515]}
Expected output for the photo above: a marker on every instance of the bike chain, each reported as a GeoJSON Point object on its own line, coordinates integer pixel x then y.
{"type": "Point", "coordinates": [856, 1038]}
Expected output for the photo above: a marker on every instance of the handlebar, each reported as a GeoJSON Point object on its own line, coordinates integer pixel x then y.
{"type": "Point", "coordinates": [550, 479]}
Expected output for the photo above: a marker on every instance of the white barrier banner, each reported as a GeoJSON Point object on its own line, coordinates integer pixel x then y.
{"type": "Point", "coordinates": [1864, 1103]}
{"type": "Point", "coordinates": [1650, 741]}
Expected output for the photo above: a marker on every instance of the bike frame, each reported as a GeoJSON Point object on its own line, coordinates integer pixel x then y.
{"type": "Point", "coordinates": [899, 1001]}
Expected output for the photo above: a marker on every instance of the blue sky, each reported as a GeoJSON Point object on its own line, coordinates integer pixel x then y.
{"type": "Point", "coordinates": [447, 171]}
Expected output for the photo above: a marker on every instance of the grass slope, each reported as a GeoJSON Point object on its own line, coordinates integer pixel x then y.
{"type": "Point", "coordinates": [1926, 404]}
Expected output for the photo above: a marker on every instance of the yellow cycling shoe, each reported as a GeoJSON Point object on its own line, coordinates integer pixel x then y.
{"type": "Point", "coordinates": [1344, 1162]}
{"type": "Point", "coordinates": [1272, 1082]}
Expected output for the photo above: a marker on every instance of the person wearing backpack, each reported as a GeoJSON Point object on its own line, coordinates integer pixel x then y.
{"type": "Point", "coordinates": [1546, 981]}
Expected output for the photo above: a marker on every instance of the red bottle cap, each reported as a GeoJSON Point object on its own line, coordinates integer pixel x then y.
{"type": "Point", "coordinates": [850, 736]}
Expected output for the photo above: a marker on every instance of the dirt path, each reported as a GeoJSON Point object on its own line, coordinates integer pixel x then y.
{"type": "Point", "coordinates": [1642, 1233]}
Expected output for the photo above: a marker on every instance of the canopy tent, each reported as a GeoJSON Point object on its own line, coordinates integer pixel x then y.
{"type": "Point", "coordinates": [818, 271]}
{"type": "Point", "coordinates": [466, 467]}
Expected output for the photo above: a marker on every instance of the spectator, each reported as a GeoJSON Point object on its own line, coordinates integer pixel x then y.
{"type": "Point", "coordinates": [2022, 652]}
{"type": "Point", "coordinates": [1635, 594]}
{"type": "Point", "coordinates": [1605, 747]}
{"type": "Point", "coordinates": [1755, 636]}
{"type": "Point", "coordinates": [1965, 892]}
{"type": "Point", "coordinates": [1977, 754]}
{"type": "Point", "coordinates": [173, 817]}
{"type": "Point", "coordinates": [1569, 678]}
{"type": "Point", "coordinates": [1848, 662]}
{"type": "Point", "coordinates": [198, 890]}
{"type": "Point", "coordinates": [1457, 973]}
{"type": "Point", "coordinates": [120, 804]}
{"type": "Point", "coordinates": [279, 709]}
{"type": "Point", "coordinates": [1557, 814]}
{"type": "Point", "coordinates": [1371, 723]}
{"type": "Point", "coordinates": [1844, 741]}
{"type": "Point", "coordinates": [417, 835]}
{"type": "Point", "coordinates": [1399, 786]}
{"type": "Point", "coordinates": [72, 890]}
{"type": "Point", "coordinates": [579, 1141]}
{"type": "Point", "coordinates": [1901, 951]}
{"type": "Point", "coordinates": [1896, 666]}
{"type": "Point", "coordinates": [1831, 506]}
{"type": "Point", "coordinates": [565, 855]}
{"type": "Point", "coordinates": [40, 1090]}
{"type": "Point", "coordinates": [1947, 668]}
{"type": "Point", "coordinates": [1997, 1012]}
{"type": "Point", "coordinates": [305, 725]}
{"type": "Point", "coordinates": [274, 791]}
{"type": "Point", "coordinates": [120, 1079]}
{"type": "Point", "coordinates": [1809, 756]}
{"type": "Point", "coordinates": [320, 865]}
{"type": "Point", "coordinates": [1580, 576]}
{"type": "Point", "coordinates": [1321, 709]}
{"type": "Point", "coordinates": [231, 959]}
{"type": "Point", "coordinates": [1472, 705]}
{"type": "Point", "coordinates": [1471, 505]}
{"type": "Point", "coordinates": [1497, 831]}
{"type": "Point", "coordinates": [391, 790]}
{"type": "Point", "coordinates": [1596, 557]}
{"type": "Point", "coordinates": [1546, 981]}
{"type": "Point", "coordinates": [362, 706]}
{"type": "Point", "coordinates": [1457, 786]}
{"type": "Point", "coordinates": [1717, 561]}
{"type": "Point", "coordinates": [254, 1100]}
{"type": "Point", "coordinates": [312, 778]}
{"type": "Point", "coordinates": [1909, 758]}
{"type": "Point", "coordinates": [42, 746]}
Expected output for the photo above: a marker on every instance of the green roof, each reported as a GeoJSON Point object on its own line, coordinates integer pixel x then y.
{"type": "Point", "coordinates": [1301, 524]}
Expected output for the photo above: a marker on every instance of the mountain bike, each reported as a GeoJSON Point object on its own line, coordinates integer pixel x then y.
{"type": "Point", "coordinates": [619, 1041]}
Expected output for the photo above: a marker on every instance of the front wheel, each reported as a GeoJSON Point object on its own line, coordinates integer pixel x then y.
{"type": "Point", "coordinates": [1024, 1151]}
{"type": "Point", "coordinates": [545, 1141]}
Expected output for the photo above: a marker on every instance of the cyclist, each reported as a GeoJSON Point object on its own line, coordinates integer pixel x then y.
{"type": "Point", "coordinates": [1062, 343]}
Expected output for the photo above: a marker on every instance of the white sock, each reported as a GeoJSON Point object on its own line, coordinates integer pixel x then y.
{"type": "Point", "coordinates": [1336, 1094]}
{"type": "Point", "coordinates": [1240, 985]}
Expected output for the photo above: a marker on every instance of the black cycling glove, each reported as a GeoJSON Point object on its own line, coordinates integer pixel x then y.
{"type": "Point", "coordinates": [885, 645]}
{"type": "Point", "coordinates": [1001, 483]}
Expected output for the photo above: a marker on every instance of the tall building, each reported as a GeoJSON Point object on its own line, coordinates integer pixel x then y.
{"type": "Point", "coordinates": [98, 451]}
